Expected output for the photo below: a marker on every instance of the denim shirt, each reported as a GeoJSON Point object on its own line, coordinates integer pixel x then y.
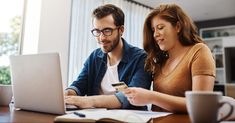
{"type": "Point", "coordinates": [130, 70]}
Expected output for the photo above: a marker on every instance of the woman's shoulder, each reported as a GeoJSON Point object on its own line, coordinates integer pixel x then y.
{"type": "Point", "coordinates": [200, 47]}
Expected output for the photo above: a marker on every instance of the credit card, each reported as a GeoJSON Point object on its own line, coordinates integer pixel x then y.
{"type": "Point", "coordinates": [120, 86]}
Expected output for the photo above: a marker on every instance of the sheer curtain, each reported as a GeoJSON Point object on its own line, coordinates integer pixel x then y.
{"type": "Point", "coordinates": [82, 43]}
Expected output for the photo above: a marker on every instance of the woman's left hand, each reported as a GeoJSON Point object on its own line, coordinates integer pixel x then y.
{"type": "Point", "coordinates": [138, 96]}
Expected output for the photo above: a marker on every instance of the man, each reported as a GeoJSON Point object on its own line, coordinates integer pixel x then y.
{"type": "Point", "coordinates": [113, 62]}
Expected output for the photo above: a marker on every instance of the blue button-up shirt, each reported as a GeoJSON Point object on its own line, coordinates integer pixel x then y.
{"type": "Point", "coordinates": [130, 70]}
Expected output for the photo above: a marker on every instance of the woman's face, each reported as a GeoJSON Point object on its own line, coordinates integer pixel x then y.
{"type": "Point", "coordinates": [165, 35]}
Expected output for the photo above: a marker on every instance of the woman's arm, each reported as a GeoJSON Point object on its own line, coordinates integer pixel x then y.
{"type": "Point", "coordinates": [139, 96]}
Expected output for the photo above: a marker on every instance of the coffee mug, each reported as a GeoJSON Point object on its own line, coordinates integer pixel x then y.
{"type": "Point", "coordinates": [203, 106]}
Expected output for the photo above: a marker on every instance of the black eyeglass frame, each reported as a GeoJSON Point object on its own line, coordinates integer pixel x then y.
{"type": "Point", "coordinates": [106, 31]}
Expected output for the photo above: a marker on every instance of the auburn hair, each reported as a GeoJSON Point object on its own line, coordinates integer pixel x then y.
{"type": "Point", "coordinates": [188, 34]}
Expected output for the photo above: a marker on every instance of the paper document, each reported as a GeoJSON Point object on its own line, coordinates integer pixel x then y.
{"type": "Point", "coordinates": [110, 116]}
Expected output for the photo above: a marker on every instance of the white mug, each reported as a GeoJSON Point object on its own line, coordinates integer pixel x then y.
{"type": "Point", "coordinates": [203, 106]}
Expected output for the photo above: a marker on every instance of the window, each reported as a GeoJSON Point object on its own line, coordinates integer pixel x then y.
{"type": "Point", "coordinates": [11, 13]}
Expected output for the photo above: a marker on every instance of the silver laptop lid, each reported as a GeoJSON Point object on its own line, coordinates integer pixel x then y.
{"type": "Point", "coordinates": [37, 83]}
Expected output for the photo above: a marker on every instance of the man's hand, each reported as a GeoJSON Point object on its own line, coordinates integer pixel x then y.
{"type": "Point", "coordinates": [80, 101]}
{"type": "Point", "coordinates": [70, 92]}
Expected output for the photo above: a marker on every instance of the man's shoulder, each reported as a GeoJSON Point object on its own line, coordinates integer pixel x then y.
{"type": "Point", "coordinates": [135, 51]}
{"type": "Point", "coordinates": [134, 54]}
{"type": "Point", "coordinates": [97, 53]}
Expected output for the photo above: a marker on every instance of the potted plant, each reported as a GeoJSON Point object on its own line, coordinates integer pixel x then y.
{"type": "Point", "coordinates": [5, 86]}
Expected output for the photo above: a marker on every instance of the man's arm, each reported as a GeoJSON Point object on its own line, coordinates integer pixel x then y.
{"type": "Point", "coordinates": [79, 86]}
{"type": "Point", "coordinates": [99, 101]}
{"type": "Point", "coordinates": [108, 101]}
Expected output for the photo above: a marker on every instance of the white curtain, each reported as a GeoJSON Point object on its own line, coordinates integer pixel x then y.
{"type": "Point", "coordinates": [82, 43]}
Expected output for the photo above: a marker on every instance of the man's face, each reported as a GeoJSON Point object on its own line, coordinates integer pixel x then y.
{"type": "Point", "coordinates": [108, 33]}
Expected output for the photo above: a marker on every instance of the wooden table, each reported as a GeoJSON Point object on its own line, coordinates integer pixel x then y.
{"type": "Point", "coordinates": [8, 115]}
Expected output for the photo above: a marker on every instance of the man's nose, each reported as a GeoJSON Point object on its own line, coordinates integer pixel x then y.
{"type": "Point", "coordinates": [102, 37]}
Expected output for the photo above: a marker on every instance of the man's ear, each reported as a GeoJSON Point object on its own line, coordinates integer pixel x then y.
{"type": "Point", "coordinates": [121, 30]}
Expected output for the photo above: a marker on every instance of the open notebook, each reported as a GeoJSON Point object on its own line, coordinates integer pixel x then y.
{"type": "Point", "coordinates": [103, 115]}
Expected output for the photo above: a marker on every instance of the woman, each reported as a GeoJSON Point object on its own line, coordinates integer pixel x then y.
{"type": "Point", "coordinates": [177, 58]}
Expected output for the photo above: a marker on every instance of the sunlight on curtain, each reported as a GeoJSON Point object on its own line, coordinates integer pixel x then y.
{"type": "Point", "coordinates": [82, 43]}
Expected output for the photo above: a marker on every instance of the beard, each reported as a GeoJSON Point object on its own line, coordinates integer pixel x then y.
{"type": "Point", "coordinates": [110, 48]}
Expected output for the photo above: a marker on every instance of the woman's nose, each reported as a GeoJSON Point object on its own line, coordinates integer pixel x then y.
{"type": "Point", "coordinates": [156, 34]}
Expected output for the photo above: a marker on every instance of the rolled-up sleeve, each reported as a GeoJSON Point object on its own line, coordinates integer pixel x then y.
{"type": "Point", "coordinates": [122, 99]}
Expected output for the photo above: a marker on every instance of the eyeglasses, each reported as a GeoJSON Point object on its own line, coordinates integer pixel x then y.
{"type": "Point", "coordinates": [105, 31]}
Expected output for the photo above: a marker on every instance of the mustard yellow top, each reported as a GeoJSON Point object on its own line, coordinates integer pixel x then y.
{"type": "Point", "coordinates": [197, 61]}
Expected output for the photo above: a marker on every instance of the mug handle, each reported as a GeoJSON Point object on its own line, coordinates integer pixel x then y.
{"type": "Point", "coordinates": [229, 113]}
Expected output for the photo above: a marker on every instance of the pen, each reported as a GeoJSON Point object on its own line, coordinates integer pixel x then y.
{"type": "Point", "coordinates": [79, 114]}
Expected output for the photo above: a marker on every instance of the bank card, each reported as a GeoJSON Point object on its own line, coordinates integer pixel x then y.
{"type": "Point", "coordinates": [120, 86]}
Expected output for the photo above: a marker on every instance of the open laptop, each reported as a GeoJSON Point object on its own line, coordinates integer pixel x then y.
{"type": "Point", "coordinates": [37, 83]}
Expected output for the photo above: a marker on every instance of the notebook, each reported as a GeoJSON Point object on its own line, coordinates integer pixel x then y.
{"type": "Point", "coordinates": [37, 83]}
{"type": "Point", "coordinates": [104, 115]}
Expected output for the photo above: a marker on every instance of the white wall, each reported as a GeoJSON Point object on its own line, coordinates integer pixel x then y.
{"type": "Point", "coordinates": [31, 23]}
{"type": "Point", "coordinates": [53, 30]}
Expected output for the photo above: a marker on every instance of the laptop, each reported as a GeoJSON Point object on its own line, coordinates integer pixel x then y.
{"type": "Point", "coordinates": [37, 83]}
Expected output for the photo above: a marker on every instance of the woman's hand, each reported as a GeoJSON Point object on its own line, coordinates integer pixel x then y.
{"type": "Point", "coordinates": [81, 102]}
{"type": "Point", "coordinates": [138, 96]}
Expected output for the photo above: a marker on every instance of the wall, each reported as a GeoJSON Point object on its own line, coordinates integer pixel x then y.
{"type": "Point", "coordinates": [216, 23]}
{"type": "Point", "coordinates": [31, 26]}
{"type": "Point", "coordinates": [52, 32]}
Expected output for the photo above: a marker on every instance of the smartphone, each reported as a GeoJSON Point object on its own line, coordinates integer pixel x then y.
{"type": "Point", "coordinates": [120, 86]}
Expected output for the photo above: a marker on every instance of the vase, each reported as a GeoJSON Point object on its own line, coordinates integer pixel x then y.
{"type": "Point", "coordinates": [5, 94]}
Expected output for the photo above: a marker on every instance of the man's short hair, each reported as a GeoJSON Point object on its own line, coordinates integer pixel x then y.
{"type": "Point", "coordinates": [107, 9]}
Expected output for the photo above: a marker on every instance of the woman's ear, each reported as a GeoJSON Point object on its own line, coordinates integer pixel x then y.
{"type": "Point", "coordinates": [178, 27]}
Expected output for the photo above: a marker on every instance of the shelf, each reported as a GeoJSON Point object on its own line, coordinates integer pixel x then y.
{"type": "Point", "coordinates": [219, 68]}
{"type": "Point", "coordinates": [219, 84]}
{"type": "Point", "coordinates": [217, 32]}
{"type": "Point", "coordinates": [212, 39]}
{"type": "Point", "coordinates": [221, 41]}
{"type": "Point", "coordinates": [218, 53]}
